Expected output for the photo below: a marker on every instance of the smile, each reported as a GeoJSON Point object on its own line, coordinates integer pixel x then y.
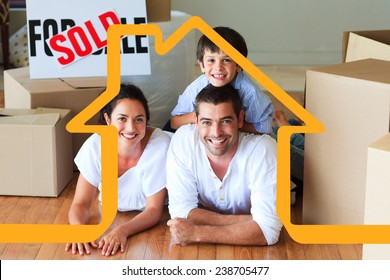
{"type": "Point", "coordinates": [217, 141]}
{"type": "Point", "coordinates": [219, 76]}
{"type": "Point", "coordinates": [129, 136]}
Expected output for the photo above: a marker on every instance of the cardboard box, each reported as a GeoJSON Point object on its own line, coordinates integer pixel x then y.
{"type": "Point", "coordinates": [377, 206]}
{"type": "Point", "coordinates": [352, 100]}
{"type": "Point", "coordinates": [357, 45]}
{"type": "Point", "coordinates": [73, 93]}
{"type": "Point", "coordinates": [35, 152]}
{"type": "Point", "coordinates": [158, 10]}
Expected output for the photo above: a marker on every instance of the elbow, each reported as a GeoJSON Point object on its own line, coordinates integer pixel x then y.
{"type": "Point", "coordinates": [155, 216]}
{"type": "Point", "coordinates": [174, 123]}
{"type": "Point", "coordinates": [270, 232]}
{"type": "Point", "coordinates": [272, 237]}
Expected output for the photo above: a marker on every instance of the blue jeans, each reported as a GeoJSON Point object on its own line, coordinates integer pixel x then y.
{"type": "Point", "coordinates": [297, 146]}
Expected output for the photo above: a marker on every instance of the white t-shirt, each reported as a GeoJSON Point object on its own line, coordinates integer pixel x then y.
{"type": "Point", "coordinates": [145, 179]}
{"type": "Point", "coordinates": [249, 186]}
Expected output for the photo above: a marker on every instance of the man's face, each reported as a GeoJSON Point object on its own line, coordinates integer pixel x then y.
{"type": "Point", "coordinates": [218, 67]}
{"type": "Point", "coordinates": [218, 128]}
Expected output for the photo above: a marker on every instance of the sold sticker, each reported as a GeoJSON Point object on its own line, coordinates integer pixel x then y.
{"type": "Point", "coordinates": [82, 40]}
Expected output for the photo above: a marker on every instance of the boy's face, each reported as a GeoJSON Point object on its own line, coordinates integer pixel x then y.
{"type": "Point", "coordinates": [218, 67]}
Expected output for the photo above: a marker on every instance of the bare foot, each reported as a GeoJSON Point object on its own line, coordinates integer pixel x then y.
{"type": "Point", "coordinates": [280, 118]}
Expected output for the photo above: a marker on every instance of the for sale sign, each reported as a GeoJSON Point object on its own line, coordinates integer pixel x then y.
{"type": "Point", "coordinates": [69, 38]}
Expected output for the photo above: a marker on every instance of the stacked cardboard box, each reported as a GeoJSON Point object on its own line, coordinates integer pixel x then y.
{"type": "Point", "coordinates": [35, 151]}
{"type": "Point", "coordinates": [352, 101]}
{"type": "Point", "coordinates": [75, 94]}
{"type": "Point", "coordinates": [158, 10]}
{"type": "Point", "coordinates": [377, 206]}
{"type": "Point", "coordinates": [358, 45]}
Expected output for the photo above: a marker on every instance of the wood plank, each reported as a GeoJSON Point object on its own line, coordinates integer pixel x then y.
{"type": "Point", "coordinates": [61, 254]}
{"type": "Point", "coordinates": [18, 215]}
{"type": "Point", "coordinates": [12, 251]}
{"type": "Point", "coordinates": [278, 251]}
{"type": "Point", "coordinates": [7, 205]}
{"type": "Point", "coordinates": [62, 215]}
{"type": "Point", "coordinates": [242, 252]}
{"type": "Point", "coordinates": [348, 252]}
{"type": "Point", "coordinates": [29, 251]}
{"type": "Point", "coordinates": [359, 251]}
{"type": "Point", "coordinates": [137, 246]}
{"type": "Point", "coordinates": [294, 250]}
{"type": "Point", "coordinates": [207, 251]}
{"type": "Point", "coordinates": [2, 248]}
{"type": "Point", "coordinates": [224, 252]}
{"type": "Point", "coordinates": [170, 250]}
{"type": "Point", "coordinates": [47, 251]}
{"type": "Point", "coordinates": [313, 252]}
{"type": "Point", "coordinates": [189, 251]}
{"type": "Point", "coordinates": [260, 253]}
{"type": "Point", "coordinates": [155, 247]}
{"type": "Point", "coordinates": [330, 252]}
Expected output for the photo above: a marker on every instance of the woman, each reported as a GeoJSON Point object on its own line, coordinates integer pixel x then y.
{"type": "Point", "coordinates": [141, 171]}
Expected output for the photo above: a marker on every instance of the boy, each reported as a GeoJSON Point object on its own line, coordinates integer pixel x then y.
{"type": "Point", "coordinates": [219, 70]}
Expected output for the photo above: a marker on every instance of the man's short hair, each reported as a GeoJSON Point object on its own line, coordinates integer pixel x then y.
{"type": "Point", "coordinates": [218, 95]}
{"type": "Point", "coordinates": [230, 35]}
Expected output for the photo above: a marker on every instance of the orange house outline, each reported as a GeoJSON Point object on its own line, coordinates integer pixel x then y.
{"type": "Point", "coordinates": [320, 234]}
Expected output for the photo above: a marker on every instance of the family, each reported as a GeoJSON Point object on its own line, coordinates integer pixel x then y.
{"type": "Point", "coordinates": [216, 172]}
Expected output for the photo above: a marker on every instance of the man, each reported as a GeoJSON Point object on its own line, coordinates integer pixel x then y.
{"type": "Point", "coordinates": [221, 182]}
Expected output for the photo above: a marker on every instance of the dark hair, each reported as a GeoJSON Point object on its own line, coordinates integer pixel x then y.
{"type": "Point", "coordinates": [230, 35]}
{"type": "Point", "coordinates": [218, 95]}
{"type": "Point", "coordinates": [126, 91]}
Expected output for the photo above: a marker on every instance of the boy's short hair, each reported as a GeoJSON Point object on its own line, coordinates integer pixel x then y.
{"type": "Point", "coordinates": [218, 95]}
{"type": "Point", "coordinates": [230, 35]}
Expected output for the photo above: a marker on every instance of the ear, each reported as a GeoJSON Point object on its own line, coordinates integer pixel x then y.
{"type": "Point", "coordinates": [201, 65]}
{"type": "Point", "coordinates": [107, 119]}
{"type": "Point", "coordinates": [238, 69]}
{"type": "Point", "coordinates": [195, 119]}
{"type": "Point", "coordinates": [241, 119]}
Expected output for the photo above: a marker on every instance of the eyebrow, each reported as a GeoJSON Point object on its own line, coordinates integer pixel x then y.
{"type": "Point", "coordinates": [124, 115]}
{"type": "Point", "coordinates": [221, 119]}
{"type": "Point", "coordinates": [212, 56]}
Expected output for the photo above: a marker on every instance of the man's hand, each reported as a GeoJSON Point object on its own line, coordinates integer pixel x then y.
{"type": "Point", "coordinates": [183, 231]}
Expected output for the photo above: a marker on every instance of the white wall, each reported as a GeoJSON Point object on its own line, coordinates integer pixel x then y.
{"type": "Point", "coordinates": [305, 32]}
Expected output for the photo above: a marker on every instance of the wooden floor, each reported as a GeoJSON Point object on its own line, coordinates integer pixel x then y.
{"type": "Point", "coordinates": [154, 243]}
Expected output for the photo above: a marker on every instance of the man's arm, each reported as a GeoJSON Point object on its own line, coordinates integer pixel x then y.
{"type": "Point", "coordinates": [210, 227]}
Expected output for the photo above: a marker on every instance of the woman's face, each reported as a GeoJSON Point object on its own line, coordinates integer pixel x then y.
{"type": "Point", "coordinates": [129, 118]}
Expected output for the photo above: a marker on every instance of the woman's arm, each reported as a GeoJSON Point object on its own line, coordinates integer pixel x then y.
{"type": "Point", "coordinates": [82, 201]}
{"type": "Point", "coordinates": [116, 239]}
{"type": "Point", "coordinates": [79, 213]}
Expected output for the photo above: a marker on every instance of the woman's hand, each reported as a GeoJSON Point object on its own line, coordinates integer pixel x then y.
{"type": "Point", "coordinates": [113, 241]}
{"type": "Point", "coordinates": [81, 248]}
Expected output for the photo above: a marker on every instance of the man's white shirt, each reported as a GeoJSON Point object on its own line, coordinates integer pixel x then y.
{"type": "Point", "coordinates": [248, 187]}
